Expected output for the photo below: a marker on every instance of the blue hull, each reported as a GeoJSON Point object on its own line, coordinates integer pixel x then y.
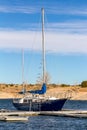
{"type": "Point", "coordinates": [50, 105]}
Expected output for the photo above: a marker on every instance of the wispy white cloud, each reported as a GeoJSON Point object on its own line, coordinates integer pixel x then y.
{"type": "Point", "coordinates": [18, 9]}
{"type": "Point", "coordinates": [69, 27]}
{"type": "Point", "coordinates": [55, 42]}
{"type": "Point", "coordinates": [82, 10]}
{"type": "Point", "coordinates": [77, 27]}
{"type": "Point", "coordinates": [36, 8]}
{"type": "Point", "coordinates": [61, 27]}
{"type": "Point", "coordinates": [16, 39]}
{"type": "Point", "coordinates": [66, 43]}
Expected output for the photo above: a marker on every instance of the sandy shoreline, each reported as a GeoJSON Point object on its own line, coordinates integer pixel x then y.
{"type": "Point", "coordinates": [76, 93]}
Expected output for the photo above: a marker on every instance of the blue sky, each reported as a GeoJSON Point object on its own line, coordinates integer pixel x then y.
{"type": "Point", "coordinates": [65, 40]}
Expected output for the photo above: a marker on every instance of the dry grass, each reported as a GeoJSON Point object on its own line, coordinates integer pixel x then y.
{"type": "Point", "coordinates": [76, 92]}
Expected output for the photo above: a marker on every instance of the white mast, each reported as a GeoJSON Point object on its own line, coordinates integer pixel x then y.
{"type": "Point", "coordinates": [43, 46]}
{"type": "Point", "coordinates": [23, 68]}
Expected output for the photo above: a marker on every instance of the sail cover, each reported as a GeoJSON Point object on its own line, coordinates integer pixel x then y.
{"type": "Point", "coordinates": [42, 91]}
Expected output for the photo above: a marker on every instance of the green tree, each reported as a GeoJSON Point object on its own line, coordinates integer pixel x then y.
{"type": "Point", "coordinates": [84, 84]}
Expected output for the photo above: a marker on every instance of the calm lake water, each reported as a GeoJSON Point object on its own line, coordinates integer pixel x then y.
{"type": "Point", "coordinates": [47, 122]}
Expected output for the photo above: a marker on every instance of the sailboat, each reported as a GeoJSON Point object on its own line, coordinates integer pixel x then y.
{"type": "Point", "coordinates": [36, 100]}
